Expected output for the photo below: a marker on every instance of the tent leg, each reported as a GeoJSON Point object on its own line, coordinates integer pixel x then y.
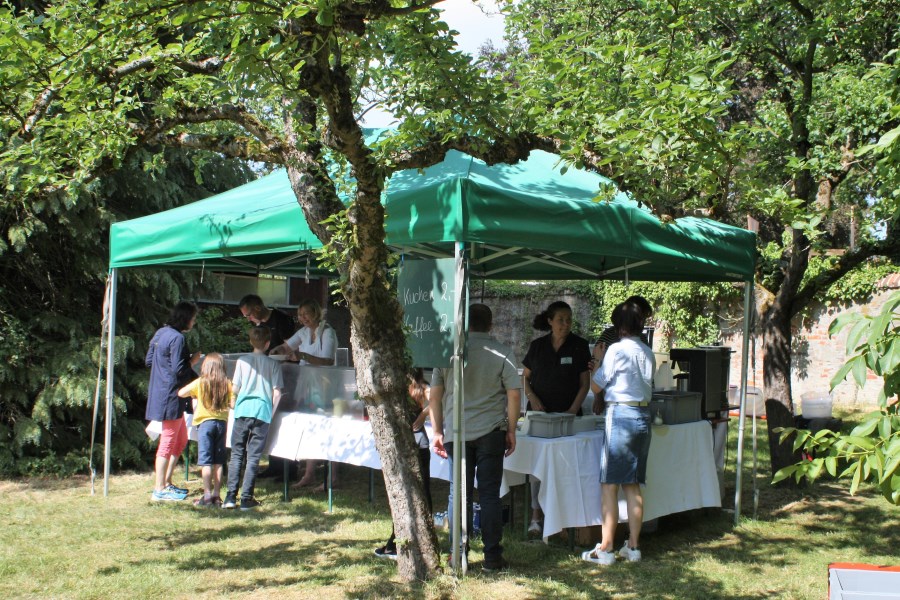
{"type": "Point", "coordinates": [110, 380]}
{"type": "Point", "coordinates": [458, 527]}
{"type": "Point", "coordinates": [745, 359]}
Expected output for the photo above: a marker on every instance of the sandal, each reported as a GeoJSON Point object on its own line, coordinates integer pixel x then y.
{"type": "Point", "coordinates": [598, 556]}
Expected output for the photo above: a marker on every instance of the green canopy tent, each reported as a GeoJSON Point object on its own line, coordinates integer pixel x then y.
{"type": "Point", "coordinates": [532, 220]}
{"type": "Point", "coordinates": [522, 221]}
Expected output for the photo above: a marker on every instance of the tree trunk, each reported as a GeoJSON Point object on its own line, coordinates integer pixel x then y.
{"type": "Point", "coordinates": [776, 326]}
{"type": "Point", "coordinates": [382, 370]}
{"type": "Point", "coordinates": [379, 350]}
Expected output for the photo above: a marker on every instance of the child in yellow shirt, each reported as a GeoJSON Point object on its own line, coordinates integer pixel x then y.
{"type": "Point", "coordinates": [212, 396]}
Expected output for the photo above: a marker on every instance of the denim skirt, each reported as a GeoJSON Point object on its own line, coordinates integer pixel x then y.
{"type": "Point", "coordinates": [627, 444]}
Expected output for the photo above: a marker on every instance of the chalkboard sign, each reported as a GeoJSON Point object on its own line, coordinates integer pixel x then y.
{"type": "Point", "coordinates": [427, 290]}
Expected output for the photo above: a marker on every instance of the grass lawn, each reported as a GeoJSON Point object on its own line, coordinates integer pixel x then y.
{"type": "Point", "coordinates": [58, 541]}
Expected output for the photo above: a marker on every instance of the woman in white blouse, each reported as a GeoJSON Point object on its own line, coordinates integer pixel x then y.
{"type": "Point", "coordinates": [314, 344]}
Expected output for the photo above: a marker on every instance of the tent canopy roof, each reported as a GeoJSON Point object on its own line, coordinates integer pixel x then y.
{"type": "Point", "coordinates": [522, 221]}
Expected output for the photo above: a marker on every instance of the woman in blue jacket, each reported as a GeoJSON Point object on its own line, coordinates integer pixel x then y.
{"type": "Point", "coordinates": [170, 365]}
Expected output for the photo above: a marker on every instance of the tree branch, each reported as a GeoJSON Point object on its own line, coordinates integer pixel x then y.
{"type": "Point", "coordinates": [890, 247]}
{"type": "Point", "coordinates": [38, 110]}
{"type": "Point", "coordinates": [232, 146]}
{"type": "Point", "coordinates": [207, 66]}
{"type": "Point", "coordinates": [271, 143]}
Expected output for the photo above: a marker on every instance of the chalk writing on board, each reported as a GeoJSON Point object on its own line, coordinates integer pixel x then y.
{"type": "Point", "coordinates": [419, 326]}
{"type": "Point", "coordinates": [411, 297]}
{"type": "Point", "coordinates": [426, 289]}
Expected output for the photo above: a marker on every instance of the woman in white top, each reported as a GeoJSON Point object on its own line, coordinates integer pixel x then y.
{"type": "Point", "coordinates": [625, 372]}
{"type": "Point", "coordinates": [314, 344]}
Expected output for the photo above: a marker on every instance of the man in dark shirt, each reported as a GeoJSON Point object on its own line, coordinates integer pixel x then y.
{"type": "Point", "coordinates": [281, 325]}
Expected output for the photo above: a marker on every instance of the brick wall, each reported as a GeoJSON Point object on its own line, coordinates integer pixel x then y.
{"type": "Point", "coordinates": [815, 356]}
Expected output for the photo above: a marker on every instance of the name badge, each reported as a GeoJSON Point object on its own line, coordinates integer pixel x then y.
{"type": "Point", "coordinates": [565, 360]}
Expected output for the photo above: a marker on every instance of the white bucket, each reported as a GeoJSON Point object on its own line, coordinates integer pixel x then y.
{"type": "Point", "coordinates": [816, 405]}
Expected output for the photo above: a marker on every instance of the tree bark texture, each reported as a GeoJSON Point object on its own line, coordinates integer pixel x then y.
{"type": "Point", "coordinates": [382, 376]}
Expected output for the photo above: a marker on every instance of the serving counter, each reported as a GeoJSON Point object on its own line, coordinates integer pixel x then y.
{"type": "Point", "coordinates": [681, 474]}
{"type": "Point", "coordinates": [681, 469]}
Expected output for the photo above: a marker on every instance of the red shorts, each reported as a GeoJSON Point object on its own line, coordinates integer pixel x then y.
{"type": "Point", "coordinates": [173, 439]}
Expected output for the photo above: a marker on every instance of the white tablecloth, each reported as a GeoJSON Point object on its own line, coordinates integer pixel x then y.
{"type": "Point", "coordinates": [681, 474]}
{"type": "Point", "coordinates": [681, 470]}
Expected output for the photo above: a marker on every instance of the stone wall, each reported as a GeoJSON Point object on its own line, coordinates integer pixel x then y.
{"type": "Point", "coordinates": [513, 318]}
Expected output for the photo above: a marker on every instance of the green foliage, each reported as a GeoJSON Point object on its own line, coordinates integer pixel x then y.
{"type": "Point", "coordinates": [214, 331]}
{"type": "Point", "coordinates": [685, 314]}
{"type": "Point", "coordinates": [50, 316]}
{"type": "Point", "coordinates": [871, 451]}
{"type": "Point", "coordinates": [858, 285]}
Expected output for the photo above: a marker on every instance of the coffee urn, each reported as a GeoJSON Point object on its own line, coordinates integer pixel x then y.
{"type": "Point", "coordinates": [707, 371]}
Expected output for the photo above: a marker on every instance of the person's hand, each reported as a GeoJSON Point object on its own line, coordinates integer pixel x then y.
{"type": "Point", "coordinates": [510, 440]}
{"type": "Point", "coordinates": [195, 358]}
{"type": "Point", "coordinates": [599, 404]}
{"type": "Point", "coordinates": [439, 445]}
{"type": "Point", "coordinates": [536, 403]}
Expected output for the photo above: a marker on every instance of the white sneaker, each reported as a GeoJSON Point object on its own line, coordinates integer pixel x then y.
{"type": "Point", "coordinates": [599, 557]}
{"type": "Point", "coordinates": [630, 554]}
{"type": "Point", "coordinates": [535, 528]}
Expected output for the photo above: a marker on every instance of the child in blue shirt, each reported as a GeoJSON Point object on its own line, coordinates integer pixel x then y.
{"type": "Point", "coordinates": [257, 385]}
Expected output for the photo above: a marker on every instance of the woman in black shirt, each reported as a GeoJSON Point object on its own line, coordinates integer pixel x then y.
{"type": "Point", "coordinates": [556, 376]}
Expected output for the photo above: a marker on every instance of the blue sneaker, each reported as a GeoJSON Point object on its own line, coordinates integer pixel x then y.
{"type": "Point", "coordinates": [177, 490]}
{"type": "Point", "coordinates": [165, 496]}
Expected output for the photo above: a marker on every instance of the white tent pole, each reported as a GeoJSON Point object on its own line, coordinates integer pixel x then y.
{"type": "Point", "coordinates": [745, 359]}
{"type": "Point", "coordinates": [110, 374]}
{"type": "Point", "coordinates": [459, 524]}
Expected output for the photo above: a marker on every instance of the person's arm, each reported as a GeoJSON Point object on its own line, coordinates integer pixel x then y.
{"type": "Point", "coordinates": [599, 353]}
{"type": "Point", "coordinates": [533, 399]}
{"type": "Point", "coordinates": [513, 406]}
{"type": "Point", "coordinates": [281, 349]}
{"type": "Point", "coordinates": [290, 344]}
{"type": "Point", "coordinates": [317, 361]}
{"type": "Point", "coordinates": [584, 379]}
{"type": "Point", "coordinates": [183, 369]}
{"type": "Point", "coordinates": [187, 390]}
{"type": "Point", "coordinates": [436, 409]}
{"type": "Point", "coordinates": [151, 350]}
{"type": "Point", "coordinates": [276, 398]}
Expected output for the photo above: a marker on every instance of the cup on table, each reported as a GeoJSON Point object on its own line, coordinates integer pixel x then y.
{"type": "Point", "coordinates": [340, 405]}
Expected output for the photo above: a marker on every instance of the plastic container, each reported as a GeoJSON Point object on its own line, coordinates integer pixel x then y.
{"type": "Point", "coordinates": [755, 401]}
{"type": "Point", "coordinates": [676, 407]}
{"type": "Point", "coordinates": [550, 425]}
{"type": "Point", "coordinates": [663, 379]}
{"type": "Point", "coordinates": [816, 405]}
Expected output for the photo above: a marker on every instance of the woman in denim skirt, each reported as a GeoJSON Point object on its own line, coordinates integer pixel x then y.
{"type": "Point", "coordinates": [626, 375]}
